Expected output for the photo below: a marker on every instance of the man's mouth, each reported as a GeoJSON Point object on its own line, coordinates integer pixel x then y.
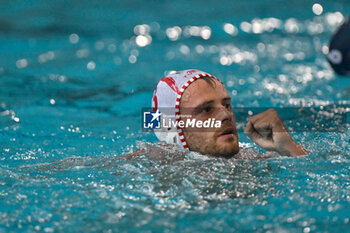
{"type": "Point", "coordinates": [229, 132]}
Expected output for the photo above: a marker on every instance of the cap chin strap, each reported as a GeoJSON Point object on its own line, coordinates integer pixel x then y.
{"type": "Point", "coordinates": [168, 137]}
{"type": "Point", "coordinates": [168, 134]}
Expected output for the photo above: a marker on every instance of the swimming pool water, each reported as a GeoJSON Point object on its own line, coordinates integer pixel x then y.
{"type": "Point", "coordinates": [74, 77]}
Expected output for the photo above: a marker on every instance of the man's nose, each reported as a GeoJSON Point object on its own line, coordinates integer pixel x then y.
{"type": "Point", "coordinates": [224, 114]}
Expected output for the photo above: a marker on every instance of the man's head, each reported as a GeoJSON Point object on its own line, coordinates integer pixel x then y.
{"type": "Point", "coordinates": [207, 98]}
{"type": "Point", "coordinates": [195, 95]}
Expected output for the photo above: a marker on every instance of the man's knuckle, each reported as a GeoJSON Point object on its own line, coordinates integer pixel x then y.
{"type": "Point", "coordinates": [252, 119]}
{"type": "Point", "coordinates": [272, 110]}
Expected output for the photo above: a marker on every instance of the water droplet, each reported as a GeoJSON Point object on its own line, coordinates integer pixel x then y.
{"type": "Point", "coordinates": [21, 63]}
{"type": "Point", "coordinates": [317, 9]}
{"type": "Point", "coordinates": [174, 33]}
{"type": "Point", "coordinates": [73, 38]}
{"type": "Point", "coordinates": [230, 29]}
{"type": "Point", "coordinates": [91, 65]}
{"type": "Point", "coordinates": [132, 59]}
{"type": "Point", "coordinates": [143, 41]}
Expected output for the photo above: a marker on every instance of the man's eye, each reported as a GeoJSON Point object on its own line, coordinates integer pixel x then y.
{"type": "Point", "coordinates": [206, 109]}
{"type": "Point", "coordinates": [228, 106]}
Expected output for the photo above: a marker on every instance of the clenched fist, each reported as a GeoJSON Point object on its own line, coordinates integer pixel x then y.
{"type": "Point", "coordinates": [268, 131]}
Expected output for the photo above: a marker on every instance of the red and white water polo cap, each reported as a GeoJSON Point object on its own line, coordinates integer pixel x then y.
{"type": "Point", "coordinates": [166, 99]}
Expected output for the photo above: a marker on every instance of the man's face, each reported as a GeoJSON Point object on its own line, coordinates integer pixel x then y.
{"type": "Point", "coordinates": [203, 101]}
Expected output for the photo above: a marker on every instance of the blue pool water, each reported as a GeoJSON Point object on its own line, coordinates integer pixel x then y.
{"type": "Point", "coordinates": [74, 76]}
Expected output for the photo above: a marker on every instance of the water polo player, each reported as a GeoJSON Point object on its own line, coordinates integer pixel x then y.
{"type": "Point", "coordinates": [339, 49]}
{"type": "Point", "coordinates": [193, 95]}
